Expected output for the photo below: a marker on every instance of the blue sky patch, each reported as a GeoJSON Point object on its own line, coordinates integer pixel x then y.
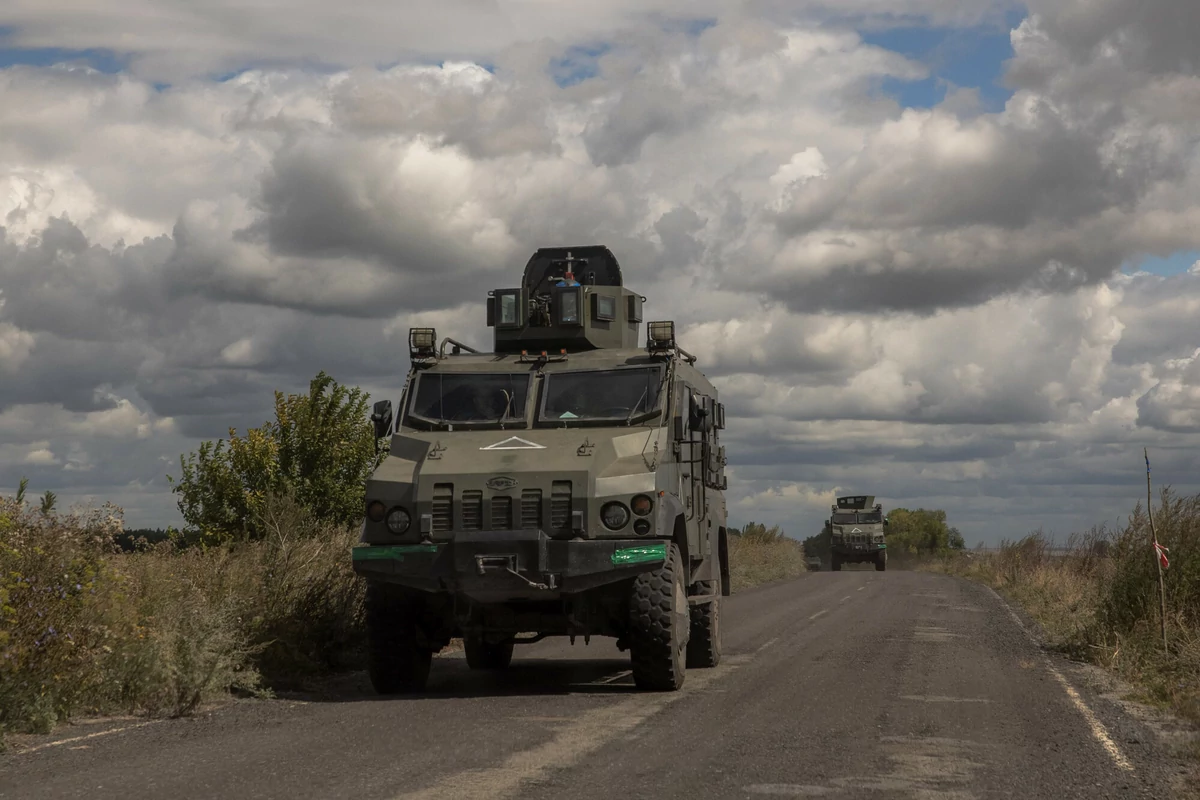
{"type": "Point", "coordinates": [99, 59]}
{"type": "Point", "coordinates": [1177, 263]}
{"type": "Point", "coordinates": [578, 64]}
{"type": "Point", "coordinates": [965, 57]}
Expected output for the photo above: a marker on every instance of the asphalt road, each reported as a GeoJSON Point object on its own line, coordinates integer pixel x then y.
{"type": "Point", "coordinates": [835, 685]}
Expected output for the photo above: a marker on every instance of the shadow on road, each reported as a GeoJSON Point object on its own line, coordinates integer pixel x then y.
{"type": "Point", "coordinates": [450, 678]}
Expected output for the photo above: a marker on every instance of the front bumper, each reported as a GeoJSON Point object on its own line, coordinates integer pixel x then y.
{"type": "Point", "coordinates": [859, 550]}
{"type": "Point", "coordinates": [495, 566]}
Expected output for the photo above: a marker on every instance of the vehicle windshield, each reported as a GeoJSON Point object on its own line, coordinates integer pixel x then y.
{"type": "Point", "coordinates": [614, 394]}
{"type": "Point", "coordinates": [861, 518]}
{"type": "Point", "coordinates": [466, 397]}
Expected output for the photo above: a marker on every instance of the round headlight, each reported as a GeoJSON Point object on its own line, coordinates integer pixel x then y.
{"type": "Point", "coordinates": [641, 505]}
{"type": "Point", "coordinates": [398, 520]}
{"type": "Point", "coordinates": [614, 515]}
{"type": "Point", "coordinates": [641, 527]}
{"type": "Point", "coordinates": [375, 511]}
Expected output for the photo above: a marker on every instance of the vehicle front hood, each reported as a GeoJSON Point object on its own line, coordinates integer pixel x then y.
{"type": "Point", "coordinates": [599, 463]}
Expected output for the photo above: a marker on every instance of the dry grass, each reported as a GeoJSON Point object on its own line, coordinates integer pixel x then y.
{"type": "Point", "coordinates": [90, 629]}
{"type": "Point", "coordinates": [1099, 602]}
{"type": "Point", "coordinates": [763, 555]}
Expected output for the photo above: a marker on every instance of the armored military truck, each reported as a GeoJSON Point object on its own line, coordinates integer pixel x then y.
{"type": "Point", "coordinates": [857, 528]}
{"type": "Point", "coordinates": [569, 483]}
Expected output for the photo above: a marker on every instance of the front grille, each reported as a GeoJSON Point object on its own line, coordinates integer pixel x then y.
{"type": "Point", "coordinates": [501, 513]}
{"type": "Point", "coordinates": [531, 509]}
{"type": "Point", "coordinates": [560, 505]}
{"type": "Point", "coordinates": [472, 510]}
{"type": "Point", "coordinates": [443, 506]}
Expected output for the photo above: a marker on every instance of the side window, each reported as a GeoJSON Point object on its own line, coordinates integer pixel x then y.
{"type": "Point", "coordinates": [685, 410]}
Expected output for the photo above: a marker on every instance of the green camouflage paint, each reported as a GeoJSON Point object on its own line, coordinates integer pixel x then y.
{"type": "Point", "coordinates": [639, 555]}
{"type": "Point", "coordinates": [378, 552]}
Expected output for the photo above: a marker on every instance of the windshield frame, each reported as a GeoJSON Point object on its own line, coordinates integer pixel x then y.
{"type": "Point", "coordinates": [517, 422]}
{"type": "Point", "coordinates": [541, 420]}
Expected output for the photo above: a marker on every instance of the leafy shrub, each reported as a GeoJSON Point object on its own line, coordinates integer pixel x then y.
{"type": "Point", "coordinates": [320, 450]}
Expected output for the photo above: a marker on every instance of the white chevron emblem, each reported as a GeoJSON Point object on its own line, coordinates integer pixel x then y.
{"type": "Point", "coordinates": [514, 443]}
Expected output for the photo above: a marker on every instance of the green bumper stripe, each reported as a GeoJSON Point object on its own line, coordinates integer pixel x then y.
{"type": "Point", "coordinates": [640, 555]}
{"type": "Point", "coordinates": [376, 552]}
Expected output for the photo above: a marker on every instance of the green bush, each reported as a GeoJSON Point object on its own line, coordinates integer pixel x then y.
{"type": "Point", "coordinates": [320, 450]}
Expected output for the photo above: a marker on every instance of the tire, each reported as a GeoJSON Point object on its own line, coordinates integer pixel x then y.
{"type": "Point", "coordinates": [659, 626]}
{"type": "Point", "coordinates": [881, 562]}
{"type": "Point", "coordinates": [704, 644]}
{"type": "Point", "coordinates": [835, 563]}
{"type": "Point", "coordinates": [487, 655]}
{"type": "Point", "coordinates": [396, 661]}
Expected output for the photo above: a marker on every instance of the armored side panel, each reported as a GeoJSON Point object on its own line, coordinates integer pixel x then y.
{"type": "Point", "coordinates": [571, 299]}
{"type": "Point", "coordinates": [856, 503]}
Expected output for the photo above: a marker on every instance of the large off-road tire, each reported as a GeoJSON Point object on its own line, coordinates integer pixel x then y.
{"type": "Point", "coordinates": [835, 563]}
{"type": "Point", "coordinates": [487, 655]}
{"type": "Point", "coordinates": [881, 561]}
{"type": "Point", "coordinates": [397, 660]}
{"type": "Point", "coordinates": [704, 645]}
{"type": "Point", "coordinates": [659, 626]}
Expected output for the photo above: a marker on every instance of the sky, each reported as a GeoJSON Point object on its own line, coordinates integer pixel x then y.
{"type": "Point", "coordinates": [946, 252]}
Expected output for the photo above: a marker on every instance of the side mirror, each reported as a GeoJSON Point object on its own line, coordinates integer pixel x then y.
{"type": "Point", "coordinates": [826, 523]}
{"type": "Point", "coordinates": [699, 416]}
{"type": "Point", "coordinates": [381, 417]}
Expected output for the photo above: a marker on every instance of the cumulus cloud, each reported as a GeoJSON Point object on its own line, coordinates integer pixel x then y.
{"type": "Point", "coordinates": [920, 303]}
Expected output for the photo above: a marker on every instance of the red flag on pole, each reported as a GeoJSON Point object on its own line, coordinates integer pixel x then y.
{"type": "Point", "coordinates": [1162, 555]}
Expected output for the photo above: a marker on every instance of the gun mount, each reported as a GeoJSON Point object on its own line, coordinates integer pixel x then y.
{"type": "Point", "coordinates": [571, 299]}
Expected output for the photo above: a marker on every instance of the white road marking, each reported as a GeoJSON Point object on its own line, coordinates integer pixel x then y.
{"type": "Point", "coordinates": [1098, 729]}
{"type": "Point", "coordinates": [584, 734]}
{"type": "Point", "coordinates": [87, 736]}
{"type": "Point", "coordinates": [1099, 732]}
{"type": "Point", "coordinates": [934, 698]}
{"type": "Point", "coordinates": [861, 588]}
{"type": "Point", "coordinates": [615, 678]}
{"type": "Point", "coordinates": [819, 613]}
{"type": "Point", "coordinates": [844, 599]}
{"type": "Point", "coordinates": [791, 789]}
{"type": "Point", "coordinates": [767, 644]}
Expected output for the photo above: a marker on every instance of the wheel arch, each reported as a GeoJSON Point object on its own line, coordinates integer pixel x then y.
{"type": "Point", "coordinates": [680, 537]}
{"type": "Point", "coordinates": [723, 555]}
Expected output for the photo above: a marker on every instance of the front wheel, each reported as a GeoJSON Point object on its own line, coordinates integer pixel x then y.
{"type": "Point", "coordinates": [659, 626]}
{"type": "Point", "coordinates": [835, 563]}
{"type": "Point", "coordinates": [482, 654]}
{"type": "Point", "coordinates": [396, 660]}
{"type": "Point", "coordinates": [881, 562]}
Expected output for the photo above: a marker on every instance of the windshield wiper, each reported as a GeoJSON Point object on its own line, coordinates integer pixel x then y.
{"type": "Point", "coordinates": [507, 406]}
{"type": "Point", "coordinates": [632, 411]}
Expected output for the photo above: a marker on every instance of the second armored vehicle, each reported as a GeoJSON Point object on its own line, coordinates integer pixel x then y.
{"type": "Point", "coordinates": [857, 529]}
{"type": "Point", "coordinates": [570, 483]}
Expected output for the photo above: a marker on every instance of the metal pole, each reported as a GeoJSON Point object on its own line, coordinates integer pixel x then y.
{"type": "Point", "coordinates": [1162, 591]}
